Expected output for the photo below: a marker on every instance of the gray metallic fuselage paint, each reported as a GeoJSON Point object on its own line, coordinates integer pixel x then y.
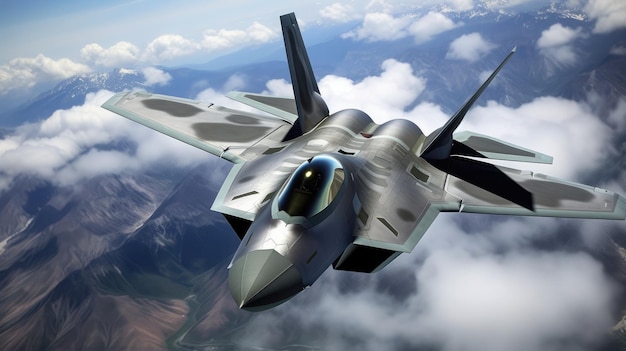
{"type": "Point", "coordinates": [310, 245]}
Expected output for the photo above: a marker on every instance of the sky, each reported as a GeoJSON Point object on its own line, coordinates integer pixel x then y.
{"type": "Point", "coordinates": [471, 284]}
{"type": "Point", "coordinates": [50, 41]}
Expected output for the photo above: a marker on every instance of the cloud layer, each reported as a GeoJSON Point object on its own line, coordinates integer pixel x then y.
{"type": "Point", "coordinates": [338, 12]}
{"type": "Point", "coordinates": [74, 144]}
{"type": "Point", "coordinates": [22, 73]}
{"type": "Point", "coordinates": [155, 76]}
{"type": "Point", "coordinates": [609, 14]}
{"type": "Point", "coordinates": [470, 285]}
{"type": "Point", "coordinates": [169, 46]}
{"type": "Point", "coordinates": [469, 47]}
{"type": "Point", "coordinates": [120, 54]}
{"type": "Point", "coordinates": [556, 42]}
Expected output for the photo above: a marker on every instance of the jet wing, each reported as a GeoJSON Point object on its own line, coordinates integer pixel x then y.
{"type": "Point", "coordinates": [483, 146]}
{"type": "Point", "coordinates": [399, 200]}
{"type": "Point", "coordinates": [552, 197]}
{"type": "Point", "coordinates": [282, 107]}
{"type": "Point", "coordinates": [234, 135]}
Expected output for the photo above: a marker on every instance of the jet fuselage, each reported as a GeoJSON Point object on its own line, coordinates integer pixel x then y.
{"type": "Point", "coordinates": [310, 221]}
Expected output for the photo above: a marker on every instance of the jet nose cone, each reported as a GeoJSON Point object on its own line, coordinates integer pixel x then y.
{"type": "Point", "coordinates": [262, 279]}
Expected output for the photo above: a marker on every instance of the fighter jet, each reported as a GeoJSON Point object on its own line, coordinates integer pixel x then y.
{"type": "Point", "coordinates": [310, 189]}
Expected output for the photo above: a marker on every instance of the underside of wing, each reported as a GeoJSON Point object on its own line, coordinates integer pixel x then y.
{"type": "Point", "coordinates": [233, 135]}
{"type": "Point", "coordinates": [478, 145]}
{"type": "Point", "coordinates": [552, 197]}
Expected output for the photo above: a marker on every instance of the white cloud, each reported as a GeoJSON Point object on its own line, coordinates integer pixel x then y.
{"type": "Point", "coordinates": [235, 82]}
{"type": "Point", "coordinates": [563, 54]}
{"type": "Point", "coordinates": [469, 47]}
{"type": "Point", "coordinates": [379, 26]}
{"type": "Point", "coordinates": [433, 23]}
{"type": "Point", "coordinates": [121, 54]}
{"type": "Point", "coordinates": [170, 46]}
{"type": "Point", "coordinates": [556, 42]}
{"type": "Point", "coordinates": [64, 147]}
{"type": "Point", "coordinates": [278, 87]}
{"type": "Point", "coordinates": [227, 39]}
{"type": "Point", "coordinates": [94, 163]}
{"type": "Point", "coordinates": [610, 15]}
{"type": "Point", "coordinates": [22, 73]}
{"type": "Point", "coordinates": [555, 124]}
{"type": "Point", "coordinates": [259, 33]}
{"type": "Point", "coordinates": [520, 301]}
{"type": "Point", "coordinates": [167, 47]}
{"type": "Point", "coordinates": [383, 97]}
{"type": "Point", "coordinates": [557, 35]}
{"type": "Point", "coordinates": [25, 72]}
{"type": "Point", "coordinates": [91, 52]}
{"type": "Point", "coordinates": [383, 26]}
{"type": "Point", "coordinates": [617, 117]}
{"type": "Point", "coordinates": [155, 76]}
{"type": "Point", "coordinates": [338, 12]}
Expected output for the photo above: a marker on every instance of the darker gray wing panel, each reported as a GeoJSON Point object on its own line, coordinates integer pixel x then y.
{"type": "Point", "coordinates": [233, 135]}
{"type": "Point", "coordinates": [552, 198]}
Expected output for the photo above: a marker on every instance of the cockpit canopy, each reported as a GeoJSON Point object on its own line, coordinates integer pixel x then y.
{"type": "Point", "coordinates": [312, 187]}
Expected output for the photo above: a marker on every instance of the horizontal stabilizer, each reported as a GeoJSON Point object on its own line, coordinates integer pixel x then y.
{"type": "Point", "coordinates": [281, 107]}
{"type": "Point", "coordinates": [438, 145]}
{"type": "Point", "coordinates": [478, 145]}
{"type": "Point", "coordinates": [487, 177]}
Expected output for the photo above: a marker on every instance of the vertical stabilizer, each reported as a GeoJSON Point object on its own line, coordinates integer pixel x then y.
{"type": "Point", "coordinates": [309, 103]}
{"type": "Point", "coordinates": [486, 176]}
{"type": "Point", "coordinates": [439, 143]}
